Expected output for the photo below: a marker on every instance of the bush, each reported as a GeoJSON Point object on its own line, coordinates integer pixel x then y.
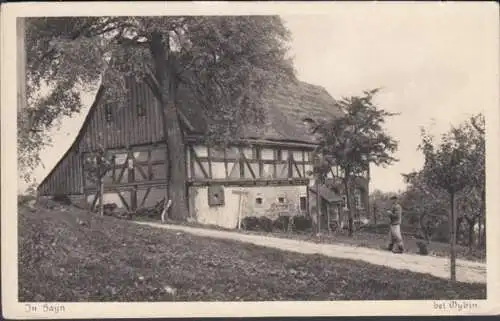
{"type": "Point", "coordinates": [441, 233]}
{"type": "Point", "coordinates": [62, 199]}
{"type": "Point", "coordinates": [302, 223]}
{"type": "Point", "coordinates": [109, 208]}
{"type": "Point", "coordinates": [266, 224]}
{"type": "Point", "coordinates": [422, 248]}
{"type": "Point", "coordinates": [24, 199]}
{"type": "Point", "coordinates": [281, 223]}
{"type": "Point", "coordinates": [250, 223]}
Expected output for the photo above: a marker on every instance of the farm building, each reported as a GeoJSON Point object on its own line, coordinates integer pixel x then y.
{"type": "Point", "coordinates": [264, 174]}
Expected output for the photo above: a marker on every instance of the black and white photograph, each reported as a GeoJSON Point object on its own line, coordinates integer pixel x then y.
{"type": "Point", "coordinates": [252, 159]}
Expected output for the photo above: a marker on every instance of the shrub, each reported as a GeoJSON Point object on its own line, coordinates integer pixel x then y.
{"type": "Point", "coordinates": [302, 223]}
{"type": "Point", "coordinates": [265, 224]}
{"type": "Point", "coordinates": [281, 223]}
{"type": "Point", "coordinates": [250, 223]}
{"type": "Point", "coordinates": [109, 208]}
{"type": "Point", "coordinates": [62, 199]}
{"type": "Point", "coordinates": [441, 233]}
{"type": "Point", "coordinates": [422, 248]}
{"type": "Point", "coordinates": [24, 199]}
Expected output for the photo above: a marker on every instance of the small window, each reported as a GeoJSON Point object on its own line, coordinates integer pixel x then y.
{"type": "Point", "coordinates": [281, 200]}
{"type": "Point", "coordinates": [107, 110]}
{"type": "Point", "coordinates": [357, 199]}
{"type": "Point", "coordinates": [215, 196]}
{"type": "Point", "coordinates": [303, 203]}
{"type": "Point", "coordinates": [140, 110]}
{"type": "Point", "coordinates": [258, 201]}
{"type": "Point", "coordinates": [344, 202]}
{"type": "Point", "coordinates": [256, 153]}
{"type": "Point", "coordinates": [279, 155]}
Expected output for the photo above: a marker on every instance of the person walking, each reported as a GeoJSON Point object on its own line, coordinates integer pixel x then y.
{"type": "Point", "coordinates": [395, 216]}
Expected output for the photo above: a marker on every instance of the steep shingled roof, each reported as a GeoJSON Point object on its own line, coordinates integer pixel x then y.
{"type": "Point", "coordinates": [285, 106]}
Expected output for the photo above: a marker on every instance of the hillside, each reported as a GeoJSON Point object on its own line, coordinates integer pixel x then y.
{"type": "Point", "coordinates": [67, 255]}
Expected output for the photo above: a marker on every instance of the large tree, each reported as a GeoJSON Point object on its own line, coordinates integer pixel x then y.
{"type": "Point", "coordinates": [455, 164]}
{"type": "Point", "coordinates": [353, 141]}
{"type": "Point", "coordinates": [227, 62]}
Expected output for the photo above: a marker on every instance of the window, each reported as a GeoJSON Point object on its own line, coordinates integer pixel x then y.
{"type": "Point", "coordinates": [278, 154]}
{"type": "Point", "coordinates": [140, 110]}
{"type": "Point", "coordinates": [358, 199]}
{"type": "Point", "coordinates": [258, 201]}
{"type": "Point", "coordinates": [215, 196]}
{"type": "Point", "coordinates": [256, 153]}
{"type": "Point", "coordinates": [281, 200]}
{"type": "Point", "coordinates": [344, 202]}
{"type": "Point", "coordinates": [107, 110]}
{"type": "Point", "coordinates": [303, 203]}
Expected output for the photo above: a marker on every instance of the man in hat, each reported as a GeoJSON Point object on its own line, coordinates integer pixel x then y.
{"type": "Point", "coordinates": [395, 216]}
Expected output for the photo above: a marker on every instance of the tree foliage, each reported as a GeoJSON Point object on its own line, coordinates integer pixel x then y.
{"type": "Point", "coordinates": [426, 203]}
{"type": "Point", "coordinates": [455, 164]}
{"type": "Point", "coordinates": [353, 141]}
{"type": "Point", "coordinates": [226, 61]}
{"type": "Point", "coordinates": [431, 202]}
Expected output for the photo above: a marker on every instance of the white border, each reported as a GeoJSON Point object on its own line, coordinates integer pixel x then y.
{"type": "Point", "coordinates": [12, 309]}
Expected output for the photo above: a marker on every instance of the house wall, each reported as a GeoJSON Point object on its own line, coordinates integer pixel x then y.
{"type": "Point", "coordinates": [227, 215]}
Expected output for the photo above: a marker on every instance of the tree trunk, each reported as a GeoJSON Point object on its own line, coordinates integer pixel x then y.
{"type": "Point", "coordinates": [423, 227]}
{"type": "Point", "coordinates": [481, 231]}
{"type": "Point", "coordinates": [349, 205]}
{"type": "Point", "coordinates": [165, 68]}
{"type": "Point", "coordinates": [471, 234]}
{"type": "Point", "coordinates": [457, 229]}
{"type": "Point", "coordinates": [101, 196]}
{"type": "Point", "coordinates": [318, 205]}
{"type": "Point", "coordinates": [21, 65]}
{"type": "Point", "coordinates": [452, 228]}
{"type": "Point", "coordinates": [374, 215]}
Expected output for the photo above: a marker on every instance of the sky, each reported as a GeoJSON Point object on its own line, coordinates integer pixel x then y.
{"type": "Point", "coordinates": [436, 68]}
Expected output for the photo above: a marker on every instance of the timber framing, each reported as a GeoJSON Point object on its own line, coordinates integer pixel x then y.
{"type": "Point", "coordinates": [134, 137]}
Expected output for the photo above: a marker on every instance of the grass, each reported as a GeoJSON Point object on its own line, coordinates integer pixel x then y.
{"type": "Point", "coordinates": [362, 238]}
{"type": "Point", "coordinates": [105, 259]}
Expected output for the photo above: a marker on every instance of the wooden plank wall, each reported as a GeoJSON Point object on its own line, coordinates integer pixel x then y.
{"type": "Point", "coordinates": [66, 178]}
{"type": "Point", "coordinates": [136, 123]}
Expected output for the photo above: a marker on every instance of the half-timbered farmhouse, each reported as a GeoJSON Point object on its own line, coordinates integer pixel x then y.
{"type": "Point", "coordinates": [267, 174]}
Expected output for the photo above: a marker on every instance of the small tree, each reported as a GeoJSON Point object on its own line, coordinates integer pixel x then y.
{"type": "Point", "coordinates": [428, 203]}
{"type": "Point", "coordinates": [99, 163]}
{"type": "Point", "coordinates": [449, 166]}
{"type": "Point", "coordinates": [473, 131]}
{"type": "Point", "coordinates": [353, 141]}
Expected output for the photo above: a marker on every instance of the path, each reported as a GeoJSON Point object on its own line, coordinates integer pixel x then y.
{"type": "Point", "coordinates": [467, 271]}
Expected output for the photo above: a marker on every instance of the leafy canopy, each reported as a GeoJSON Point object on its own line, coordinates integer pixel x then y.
{"type": "Point", "coordinates": [227, 62]}
{"type": "Point", "coordinates": [457, 160]}
{"type": "Point", "coordinates": [357, 138]}
{"type": "Point", "coordinates": [454, 164]}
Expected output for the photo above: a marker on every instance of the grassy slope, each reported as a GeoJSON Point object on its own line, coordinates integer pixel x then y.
{"type": "Point", "coordinates": [116, 260]}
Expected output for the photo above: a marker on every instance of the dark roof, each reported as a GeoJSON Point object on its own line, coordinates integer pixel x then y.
{"type": "Point", "coordinates": [326, 193]}
{"type": "Point", "coordinates": [288, 106]}
{"type": "Point", "coordinates": [285, 107]}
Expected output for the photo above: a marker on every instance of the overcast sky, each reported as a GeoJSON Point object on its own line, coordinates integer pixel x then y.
{"type": "Point", "coordinates": [436, 67]}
